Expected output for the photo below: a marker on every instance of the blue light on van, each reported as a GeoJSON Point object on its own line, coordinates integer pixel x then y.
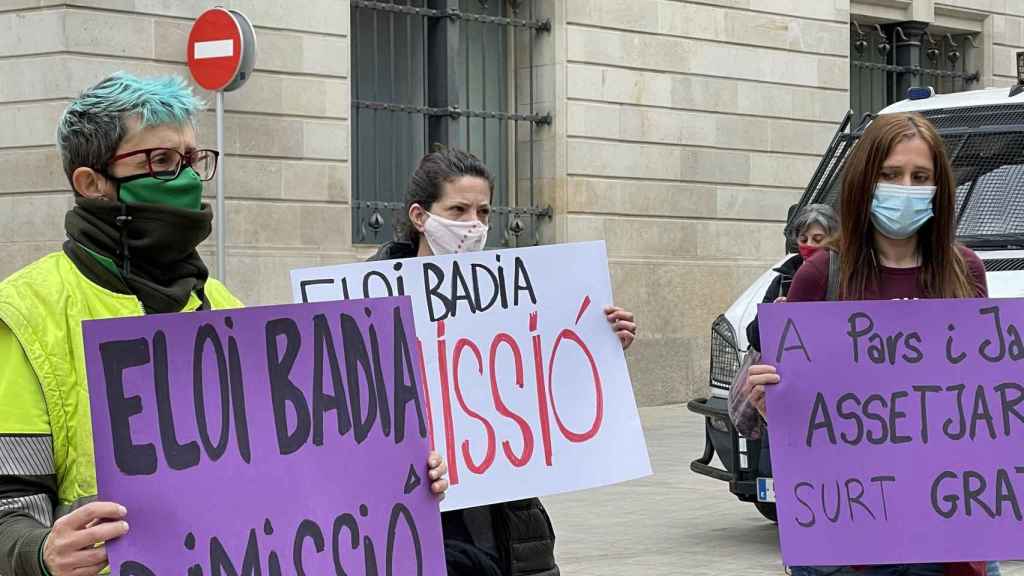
{"type": "Point", "coordinates": [920, 93]}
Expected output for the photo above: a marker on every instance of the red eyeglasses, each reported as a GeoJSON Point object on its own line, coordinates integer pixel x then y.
{"type": "Point", "coordinates": [166, 163]}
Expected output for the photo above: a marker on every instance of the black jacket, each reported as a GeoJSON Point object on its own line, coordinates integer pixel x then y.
{"type": "Point", "coordinates": [521, 531]}
{"type": "Point", "coordinates": [778, 287]}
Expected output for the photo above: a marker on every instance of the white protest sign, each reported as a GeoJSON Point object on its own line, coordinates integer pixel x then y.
{"type": "Point", "coordinates": [528, 389]}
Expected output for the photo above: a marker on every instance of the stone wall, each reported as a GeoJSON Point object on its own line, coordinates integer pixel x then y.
{"type": "Point", "coordinates": [688, 128]}
{"type": "Point", "coordinates": [286, 130]}
{"type": "Point", "coordinates": [682, 132]}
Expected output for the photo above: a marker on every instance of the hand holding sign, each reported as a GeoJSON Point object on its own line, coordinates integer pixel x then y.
{"type": "Point", "coordinates": [71, 547]}
{"type": "Point", "coordinates": [759, 377]}
{"type": "Point", "coordinates": [438, 470]}
{"type": "Point", "coordinates": [623, 324]}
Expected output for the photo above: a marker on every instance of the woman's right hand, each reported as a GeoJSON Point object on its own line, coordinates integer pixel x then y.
{"type": "Point", "coordinates": [758, 377]}
{"type": "Point", "coordinates": [75, 544]}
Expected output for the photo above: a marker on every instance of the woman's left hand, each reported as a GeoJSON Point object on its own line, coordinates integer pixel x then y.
{"type": "Point", "coordinates": [623, 323]}
{"type": "Point", "coordinates": [438, 471]}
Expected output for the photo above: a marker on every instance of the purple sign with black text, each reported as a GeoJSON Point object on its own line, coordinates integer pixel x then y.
{"type": "Point", "coordinates": [276, 440]}
{"type": "Point", "coordinates": [897, 431]}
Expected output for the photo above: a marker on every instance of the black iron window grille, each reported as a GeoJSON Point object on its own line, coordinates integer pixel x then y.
{"type": "Point", "coordinates": [886, 59]}
{"type": "Point", "coordinates": [452, 72]}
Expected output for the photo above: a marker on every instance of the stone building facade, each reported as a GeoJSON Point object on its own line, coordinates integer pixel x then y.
{"type": "Point", "coordinates": [681, 132]}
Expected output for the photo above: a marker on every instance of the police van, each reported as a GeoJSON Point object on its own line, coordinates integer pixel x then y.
{"type": "Point", "coordinates": [984, 135]}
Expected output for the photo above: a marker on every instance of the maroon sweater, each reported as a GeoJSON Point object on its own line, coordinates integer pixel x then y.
{"type": "Point", "coordinates": [811, 281]}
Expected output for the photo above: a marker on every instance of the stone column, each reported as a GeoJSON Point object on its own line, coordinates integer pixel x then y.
{"type": "Point", "coordinates": [908, 53]}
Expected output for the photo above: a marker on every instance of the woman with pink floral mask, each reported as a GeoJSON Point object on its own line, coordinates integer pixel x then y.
{"type": "Point", "coordinates": [448, 211]}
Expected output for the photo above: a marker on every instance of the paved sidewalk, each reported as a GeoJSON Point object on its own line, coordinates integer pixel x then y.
{"type": "Point", "coordinates": [673, 523]}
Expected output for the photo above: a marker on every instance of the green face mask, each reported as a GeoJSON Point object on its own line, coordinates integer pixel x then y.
{"type": "Point", "coordinates": [185, 191]}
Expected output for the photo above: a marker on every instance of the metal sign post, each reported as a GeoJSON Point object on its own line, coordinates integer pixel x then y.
{"type": "Point", "coordinates": [221, 57]}
{"type": "Point", "coordinates": [221, 213]}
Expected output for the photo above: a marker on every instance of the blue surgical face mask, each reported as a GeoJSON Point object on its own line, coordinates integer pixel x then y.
{"type": "Point", "coordinates": [898, 212]}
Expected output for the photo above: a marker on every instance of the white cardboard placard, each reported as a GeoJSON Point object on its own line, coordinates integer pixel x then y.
{"type": "Point", "coordinates": [528, 389]}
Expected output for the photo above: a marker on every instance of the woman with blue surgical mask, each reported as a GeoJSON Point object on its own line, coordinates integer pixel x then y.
{"type": "Point", "coordinates": [448, 210]}
{"type": "Point", "coordinates": [897, 240]}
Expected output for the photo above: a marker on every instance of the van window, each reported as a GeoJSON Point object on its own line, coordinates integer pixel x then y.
{"type": "Point", "coordinates": [995, 205]}
{"type": "Point", "coordinates": [989, 170]}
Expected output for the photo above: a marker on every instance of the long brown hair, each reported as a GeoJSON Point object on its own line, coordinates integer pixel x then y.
{"type": "Point", "coordinates": [943, 271]}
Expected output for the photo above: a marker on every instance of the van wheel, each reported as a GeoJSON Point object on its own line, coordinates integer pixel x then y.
{"type": "Point", "coordinates": [767, 509]}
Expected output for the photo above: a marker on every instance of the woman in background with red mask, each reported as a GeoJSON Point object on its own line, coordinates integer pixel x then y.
{"type": "Point", "coordinates": [812, 228]}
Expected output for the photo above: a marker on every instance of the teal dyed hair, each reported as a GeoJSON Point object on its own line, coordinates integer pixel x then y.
{"type": "Point", "coordinates": [93, 125]}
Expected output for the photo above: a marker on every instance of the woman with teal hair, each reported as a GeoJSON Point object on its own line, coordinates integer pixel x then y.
{"type": "Point", "coordinates": [128, 148]}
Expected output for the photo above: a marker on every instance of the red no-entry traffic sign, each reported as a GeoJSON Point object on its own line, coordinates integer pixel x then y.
{"type": "Point", "coordinates": [217, 49]}
{"type": "Point", "coordinates": [221, 57]}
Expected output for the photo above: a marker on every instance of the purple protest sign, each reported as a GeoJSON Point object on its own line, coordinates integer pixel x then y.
{"type": "Point", "coordinates": [897, 430]}
{"type": "Point", "coordinates": [276, 440]}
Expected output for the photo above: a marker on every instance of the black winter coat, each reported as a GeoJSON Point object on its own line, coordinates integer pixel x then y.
{"type": "Point", "coordinates": [778, 287]}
